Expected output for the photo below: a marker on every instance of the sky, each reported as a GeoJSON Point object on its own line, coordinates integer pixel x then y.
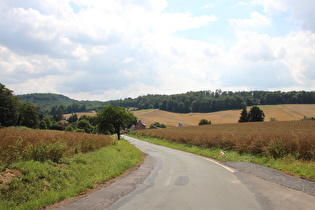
{"type": "Point", "coordinates": [114, 49]}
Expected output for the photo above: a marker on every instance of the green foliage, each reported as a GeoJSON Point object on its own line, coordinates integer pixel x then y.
{"type": "Point", "coordinates": [204, 122]}
{"type": "Point", "coordinates": [48, 103]}
{"type": "Point", "coordinates": [308, 118]}
{"type": "Point", "coordinates": [69, 128]}
{"type": "Point", "coordinates": [114, 119]}
{"type": "Point", "coordinates": [254, 115]}
{"type": "Point", "coordinates": [244, 116]}
{"type": "Point", "coordinates": [73, 118]}
{"type": "Point", "coordinates": [42, 125]}
{"type": "Point", "coordinates": [157, 124]}
{"type": "Point", "coordinates": [28, 115]}
{"type": "Point", "coordinates": [85, 125]}
{"type": "Point", "coordinates": [8, 107]}
{"type": "Point", "coordinates": [48, 121]}
{"type": "Point", "coordinates": [92, 119]}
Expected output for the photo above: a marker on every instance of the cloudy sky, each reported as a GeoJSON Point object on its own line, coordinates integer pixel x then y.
{"type": "Point", "coordinates": [112, 49]}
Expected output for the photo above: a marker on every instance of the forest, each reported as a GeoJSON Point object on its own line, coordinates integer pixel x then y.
{"type": "Point", "coordinates": [210, 101]}
{"type": "Point", "coordinates": [199, 101]}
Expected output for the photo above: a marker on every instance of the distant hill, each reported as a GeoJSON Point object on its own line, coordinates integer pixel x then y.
{"type": "Point", "coordinates": [197, 102]}
{"type": "Point", "coordinates": [46, 101]}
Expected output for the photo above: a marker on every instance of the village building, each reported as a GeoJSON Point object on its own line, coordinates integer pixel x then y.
{"type": "Point", "coordinates": [180, 125]}
{"type": "Point", "coordinates": [140, 125]}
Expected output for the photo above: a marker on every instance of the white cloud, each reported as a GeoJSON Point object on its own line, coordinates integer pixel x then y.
{"type": "Point", "coordinates": [302, 11]}
{"type": "Point", "coordinates": [114, 49]}
{"type": "Point", "coordinates": [256, 20]}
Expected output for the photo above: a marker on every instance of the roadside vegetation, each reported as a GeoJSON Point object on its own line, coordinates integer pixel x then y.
{"type": "Point", "coordinates": [287, 146]}
{"type": "Point", "coordinates": [39, 168]}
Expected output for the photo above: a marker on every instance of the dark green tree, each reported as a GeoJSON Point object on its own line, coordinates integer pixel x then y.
{"type": "Point", "coordinates": [28, 115]}
{"type": "Point", "coordinates": [42, 125]}
{"type": "Point", "coordinates": [256, 114]}
{"type": "Point", "coordinates": [113, 119]}
{"type": "Point", "coordinates": [73, 118]}
{"type": "Point", "coordinates": [204, 122]}
{"type": "Point", "coordinates": [48, 121]}
{"type": "Point", "coordinates": [244, 116]}
{"type": "Point", "coordinates": [85, 125]}
{"type": "Point", "coordinates": [8, 107]}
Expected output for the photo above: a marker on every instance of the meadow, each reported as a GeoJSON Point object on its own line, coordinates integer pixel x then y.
{"type": "Point", "coordinates": [272, 139]}
{"type": "Point", "coordinates": [39, 168]}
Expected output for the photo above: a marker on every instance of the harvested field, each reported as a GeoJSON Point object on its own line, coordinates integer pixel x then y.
{"type": "Point", "coordinates": [93, 113]}
{"type": "Point", "coordinates": [287, 112]}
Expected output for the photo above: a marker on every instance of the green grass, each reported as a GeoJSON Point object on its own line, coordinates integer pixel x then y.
{"type": "Point", "coordinates": [44, 183]}
{"type": "Point", "coordinates": [287, 164]}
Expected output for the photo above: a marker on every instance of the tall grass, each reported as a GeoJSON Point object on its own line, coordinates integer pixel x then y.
{"type": "Point", "coordinates": [270, 139]}
{"type": "Point", "coordinates": [43, 183]}
{"type": "Point", "coordinates": [22, 145]}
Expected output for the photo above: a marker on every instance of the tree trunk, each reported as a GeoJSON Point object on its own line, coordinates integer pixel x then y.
{"type": "Point", "coordinates": [118, 134]}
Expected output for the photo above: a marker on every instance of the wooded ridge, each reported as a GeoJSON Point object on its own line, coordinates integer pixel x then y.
{"type": "Point", "coordinates": [199, 101]}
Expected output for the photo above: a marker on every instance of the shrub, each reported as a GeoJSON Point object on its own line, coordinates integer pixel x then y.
{"type": "Point", "coordinates": [204, 122]}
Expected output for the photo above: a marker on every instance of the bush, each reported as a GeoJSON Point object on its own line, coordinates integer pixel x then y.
{"type": "Point", "coordinates": [204, 122]}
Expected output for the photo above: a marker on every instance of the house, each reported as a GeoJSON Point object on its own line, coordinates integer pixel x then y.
{"type": "Point", "coordinates": [140, 125]}
{"type": "Point", "coordinates": [154, 127]}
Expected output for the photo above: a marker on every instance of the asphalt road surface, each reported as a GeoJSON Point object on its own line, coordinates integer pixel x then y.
{"type": "Point", "coordinates": [171, 179]}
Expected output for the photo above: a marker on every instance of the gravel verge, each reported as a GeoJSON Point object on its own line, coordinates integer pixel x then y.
{"type": "Point", "coordinates": [275, 176]}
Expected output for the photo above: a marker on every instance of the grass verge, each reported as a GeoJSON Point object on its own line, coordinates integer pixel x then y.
{"type": "Point", "coordinates": [288, 164]}
{"type": "Point", "coordinates": [39, 184]}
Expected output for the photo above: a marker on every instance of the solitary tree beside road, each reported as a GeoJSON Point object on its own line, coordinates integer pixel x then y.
{"type": "Point", "coordinates": [113, 119]}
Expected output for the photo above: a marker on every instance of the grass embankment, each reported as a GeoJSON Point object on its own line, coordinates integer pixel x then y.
{"type": "Point", "coordinates": [286, 146]}
{"type": "Point", "coordinates": [33, 184]}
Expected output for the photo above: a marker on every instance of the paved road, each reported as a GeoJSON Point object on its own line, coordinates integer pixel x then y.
{"type": "Point", "coordinates": [180, 180]}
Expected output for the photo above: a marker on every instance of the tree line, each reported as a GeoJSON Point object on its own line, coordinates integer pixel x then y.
{"type": "Point", "coordinates": [210, 101]}
{"type": "Point", "coordinates": [109, 120]}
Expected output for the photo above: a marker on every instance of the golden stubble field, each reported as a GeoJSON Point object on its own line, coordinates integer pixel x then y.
{"type": "Point", "coordinates": [287, 112]}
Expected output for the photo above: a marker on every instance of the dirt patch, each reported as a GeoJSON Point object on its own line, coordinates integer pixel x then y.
{"type": "Point", "coordinates": [7, 175]}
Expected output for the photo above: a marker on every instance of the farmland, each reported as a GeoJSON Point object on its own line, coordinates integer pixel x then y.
{"type": "Point", "coordinates": [280, 112]}
{"type": "Point", "coordinates": [286, 112]}
{"type": "Point", "coordinates": [273, 139]}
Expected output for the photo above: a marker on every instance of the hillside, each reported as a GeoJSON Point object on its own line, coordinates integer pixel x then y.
{"type": "Point", "coordinates": [287, 112]}
{"type": "Point", "coordinates": [45, 101]}
{"type": "Point", "coordinates": [196, 102]}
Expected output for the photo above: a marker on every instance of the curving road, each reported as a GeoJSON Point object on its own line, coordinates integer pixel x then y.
{"type": "Point", "coordinates": [180, 180]}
